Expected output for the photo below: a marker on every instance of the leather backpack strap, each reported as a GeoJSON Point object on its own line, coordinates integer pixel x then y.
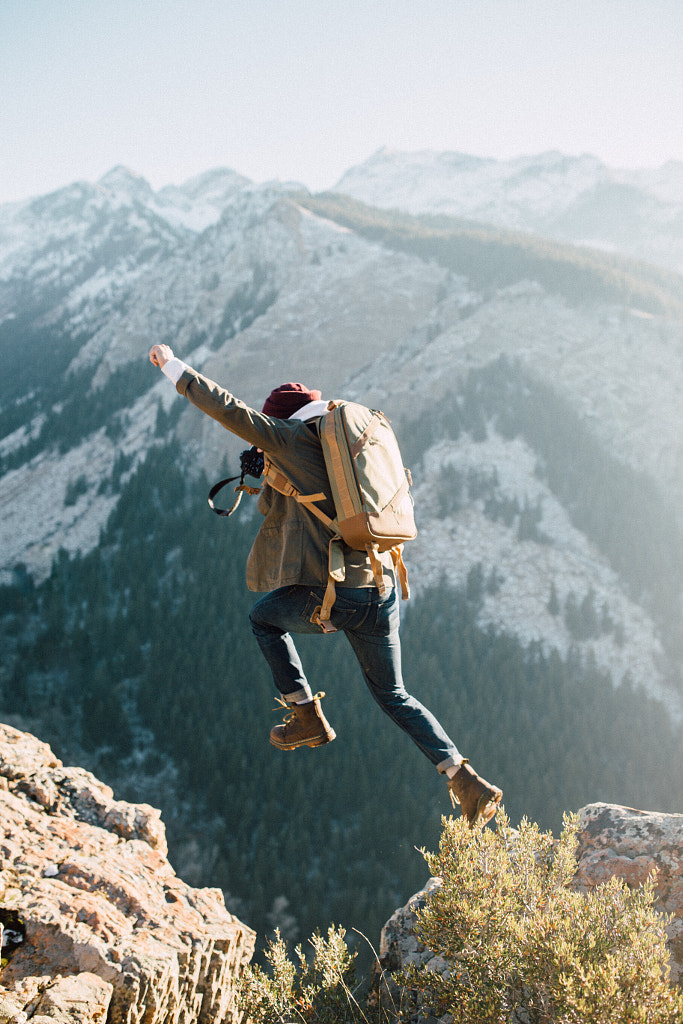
{"type": "Point", "coordinates": [377, 568]}
{"type": "Point", "coordinates": [401, 570]}
{"type": "Point", "coordinates": [336, 573]}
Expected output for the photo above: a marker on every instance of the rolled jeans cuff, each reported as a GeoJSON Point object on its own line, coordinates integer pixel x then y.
{"type": "Point", "coordinates": [450, 762]}
{"type": "Point", "coordinates": [302, 694]}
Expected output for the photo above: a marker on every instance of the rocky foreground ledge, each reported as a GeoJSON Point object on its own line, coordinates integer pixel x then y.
{"type": "Point", "coordinates": [97, 926]}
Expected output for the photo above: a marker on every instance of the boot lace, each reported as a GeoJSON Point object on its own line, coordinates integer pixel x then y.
{"type": "Point", "coordinates": [291, 708]}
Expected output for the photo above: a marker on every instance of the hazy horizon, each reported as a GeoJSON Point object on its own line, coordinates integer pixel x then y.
{"type": "Point", "coordinates": [305, 90]}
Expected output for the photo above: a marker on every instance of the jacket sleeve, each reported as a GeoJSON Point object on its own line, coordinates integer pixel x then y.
{"type": "Point", "coordinates": [265, 432]}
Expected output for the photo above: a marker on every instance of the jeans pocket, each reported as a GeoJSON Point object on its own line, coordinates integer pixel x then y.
{"type": "Point", "coordinates": [346, 614]}
{"type": "Point", "coordinates": [386, 615]}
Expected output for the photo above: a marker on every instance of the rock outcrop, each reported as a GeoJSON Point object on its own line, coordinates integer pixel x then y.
{"type": "Point", "coordinates": [630, 844]}
{"type": "Point", "coordinates": [399, 948]}
{"type": "Point", "coordinates": [613, 841]}
{"type": "Point", "coordinates": [97, 926]}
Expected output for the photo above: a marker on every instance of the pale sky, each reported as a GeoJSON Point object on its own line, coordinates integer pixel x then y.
{"type": "Point", "coordinates": [304, 89]}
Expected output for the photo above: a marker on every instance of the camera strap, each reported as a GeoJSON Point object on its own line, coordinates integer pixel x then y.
{"type": "Point", "coordinates": [239, 491]}
{"type": "Point", "coordinates": [251, 463]}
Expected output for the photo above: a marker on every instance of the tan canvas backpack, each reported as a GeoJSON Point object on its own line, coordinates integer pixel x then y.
{"type": "Point", "coordinates": [370, 490]}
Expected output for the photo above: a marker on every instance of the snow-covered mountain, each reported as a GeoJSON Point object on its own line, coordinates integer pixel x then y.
{"type": "Point", "coordinates": [574, 199]}
{"type": "Point", "coordinates": [253, 288]}
{"type": "Point", "coordinates": [92, 275]}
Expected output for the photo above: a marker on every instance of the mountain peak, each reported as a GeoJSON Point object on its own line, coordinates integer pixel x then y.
{"type": "Point", "coordinates": [121, 179]}
{"type": "Point", "coordinates": [215, 183]}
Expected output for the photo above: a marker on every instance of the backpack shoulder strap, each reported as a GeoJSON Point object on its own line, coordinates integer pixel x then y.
{"type": "Point", "coordinates": [336, 568]}
{"type": "Point", "coordinates": [279, 482]}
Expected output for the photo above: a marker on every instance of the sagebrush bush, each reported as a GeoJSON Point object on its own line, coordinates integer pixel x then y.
{"type": "Point", "coordinates": [516, 943]}
{"type": "Point", "coordinates": [320, 989]}
{"type": "Point", "coordinates": [522, 946]}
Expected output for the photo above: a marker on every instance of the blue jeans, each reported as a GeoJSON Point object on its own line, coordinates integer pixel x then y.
{"type": "Point", "coordinates": [370, 623]}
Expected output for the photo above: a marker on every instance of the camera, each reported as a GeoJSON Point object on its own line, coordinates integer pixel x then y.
{"type": "Point", "coordinates": [252, 462]}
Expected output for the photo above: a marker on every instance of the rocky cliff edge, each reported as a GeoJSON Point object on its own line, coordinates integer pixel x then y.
{"type": "Point", "coordinates": [97, 927]}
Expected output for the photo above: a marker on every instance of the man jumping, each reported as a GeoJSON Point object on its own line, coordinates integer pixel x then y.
{"type": "Point", "coordinates": [289, 564]}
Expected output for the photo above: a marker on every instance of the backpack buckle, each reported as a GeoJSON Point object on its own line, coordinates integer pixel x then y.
{"type": "Point", "coordinates": [325, 625]}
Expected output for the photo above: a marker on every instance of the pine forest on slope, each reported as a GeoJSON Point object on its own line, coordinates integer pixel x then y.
{"type": "Point", "coordinates": [493, 258]}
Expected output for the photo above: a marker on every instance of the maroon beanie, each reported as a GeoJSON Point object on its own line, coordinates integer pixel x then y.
{"type": "Point", "coordinates": [286, 399]}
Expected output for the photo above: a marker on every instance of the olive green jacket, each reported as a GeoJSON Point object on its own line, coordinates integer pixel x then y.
{"type": "Point", "coordinates": [291, 546]}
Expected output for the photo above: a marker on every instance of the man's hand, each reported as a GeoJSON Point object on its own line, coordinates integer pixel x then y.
{"type": "Point", "coordinates": [160, 354]}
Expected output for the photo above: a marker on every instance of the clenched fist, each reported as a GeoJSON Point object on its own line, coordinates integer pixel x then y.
{"type": "Point", "coordinates": [160, 354]}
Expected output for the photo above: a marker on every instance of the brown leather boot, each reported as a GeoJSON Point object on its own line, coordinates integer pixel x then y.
{"type": "Point", "coordinates": [304, 726]}
{"type": "Point", "coordinates": [478, 799]}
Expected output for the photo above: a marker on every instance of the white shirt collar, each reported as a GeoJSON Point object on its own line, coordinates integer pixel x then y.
{"type": "Point", "coordinates": [310, 410]}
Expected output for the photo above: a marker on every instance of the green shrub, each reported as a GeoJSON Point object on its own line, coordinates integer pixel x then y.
{"type": "Point", "coordinates": [520, 945]}
{"type": "Point", "coordinates": [317, 990]}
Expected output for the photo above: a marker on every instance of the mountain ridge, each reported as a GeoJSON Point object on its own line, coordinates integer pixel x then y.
{"type": "Point", "coordinates": [575, 199]}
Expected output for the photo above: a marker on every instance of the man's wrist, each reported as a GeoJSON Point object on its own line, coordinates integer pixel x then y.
{"type": "Point", "coordinates": [174, 369]}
